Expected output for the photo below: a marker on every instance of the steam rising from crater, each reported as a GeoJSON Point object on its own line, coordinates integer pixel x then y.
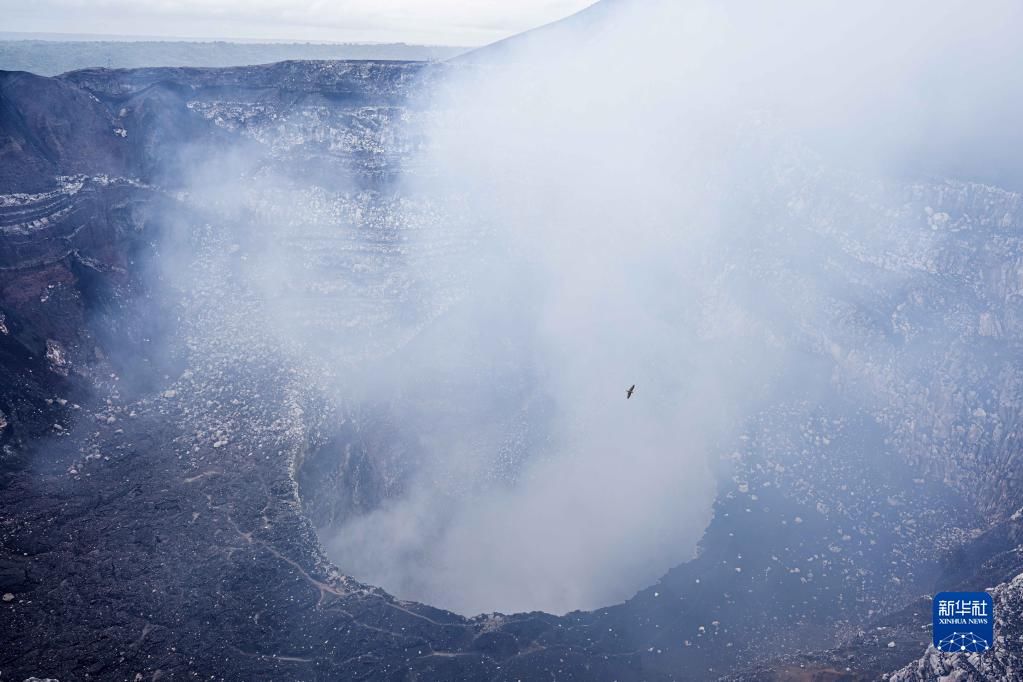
{"type": "Point", "coordinates": [611, 168]}
{"type": "Point", "coordinates": [608, 202]}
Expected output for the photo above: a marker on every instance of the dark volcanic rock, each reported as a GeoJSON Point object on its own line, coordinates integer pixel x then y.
{"type": "Point", "coordinates": [49, 128]}
{"type": "Point", "coordinates": [156, 439]}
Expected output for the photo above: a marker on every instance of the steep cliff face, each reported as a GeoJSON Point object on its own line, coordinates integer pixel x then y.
{"type": "Point", "coordinates": [80, 217]}
{"type": "Point", "coordinates": [71, 264]}
{"type": "Point", "coordinates": [113, 415]}
{"type": "Point", "coordinates": [161, 436]}
{"type": "Point", "coordinates": [50, 128]}
{"type": "Point", "coordinates": [928, 328]}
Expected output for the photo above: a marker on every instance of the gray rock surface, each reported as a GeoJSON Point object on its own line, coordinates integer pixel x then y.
{"type": "Point", "coordinates": [160, 494]}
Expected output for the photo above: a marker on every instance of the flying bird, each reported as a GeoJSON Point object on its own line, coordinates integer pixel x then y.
{"type": "Point", "coordinates": [632, 389]}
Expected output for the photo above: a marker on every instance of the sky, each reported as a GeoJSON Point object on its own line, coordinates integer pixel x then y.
{"type": "Point", "coordinates": [435, 22]}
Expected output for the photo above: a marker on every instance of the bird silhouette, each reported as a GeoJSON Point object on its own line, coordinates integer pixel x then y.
{"type": "Point", "coordinates": [632, 389]}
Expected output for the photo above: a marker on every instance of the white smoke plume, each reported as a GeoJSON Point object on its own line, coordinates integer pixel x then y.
{"type": "Point", "coordinates": [585, 207]}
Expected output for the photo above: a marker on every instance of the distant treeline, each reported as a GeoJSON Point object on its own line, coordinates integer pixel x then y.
{"type": "Point", "coordinates": [49, 58]}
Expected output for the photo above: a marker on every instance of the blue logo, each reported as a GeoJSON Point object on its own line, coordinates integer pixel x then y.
{"type": "Point", "coordinates": [964, 622]}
